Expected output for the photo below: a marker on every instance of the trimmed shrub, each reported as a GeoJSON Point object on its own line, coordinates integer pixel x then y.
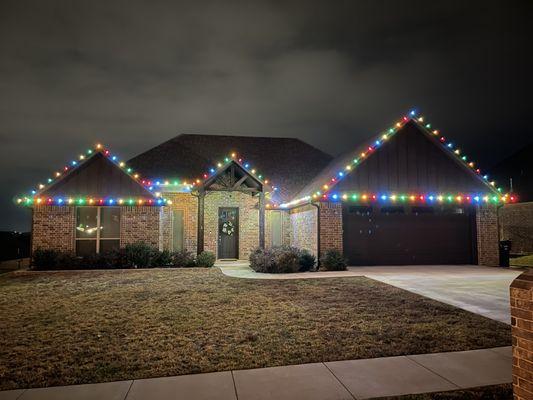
{"type": "Point", "coordinates": [275, 260]}
{"type": "Point", "coordinates": [161, 259]}
{"type": "Point", "coordinates": [205, 259]}
{"type": "Point", "coordinates": [183, 259]}
{"type": "Point", "coordinates": [45, 259]}
{"type": "Point", "coordinates": [307, 261]}
{"type": "Point", "coordinates": [139, 254]}
{"type": "Point", "coordinates": [260, 260]}
{"type": "Point", "coordinates": [333, 260]}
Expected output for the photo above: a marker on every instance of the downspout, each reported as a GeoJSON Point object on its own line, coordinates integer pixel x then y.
{"type": "Point", "coordinates": [317, 233]}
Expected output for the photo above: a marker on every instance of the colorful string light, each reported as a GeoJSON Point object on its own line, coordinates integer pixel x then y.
{"type": "Point", "coordinates": [93, 201]}
{"type": "Point", "coordinates": [181, 185]}
{"type": "Point", "coordinates": [440, 198]}
{"type": "Point", "coordinates": [323, 192]}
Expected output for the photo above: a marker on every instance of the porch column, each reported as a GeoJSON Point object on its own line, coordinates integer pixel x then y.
{"type": "Point", "coordinates": [200, 230]}
{"type": "Point", "coordinates": [262, 220]}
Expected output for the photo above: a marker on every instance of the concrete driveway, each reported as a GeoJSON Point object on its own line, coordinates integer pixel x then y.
{"type": "Point", "coordinates": [481, 290]}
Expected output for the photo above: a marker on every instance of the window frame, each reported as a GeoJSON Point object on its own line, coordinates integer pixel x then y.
{"type": "Point", "coordinates": [98, 237]}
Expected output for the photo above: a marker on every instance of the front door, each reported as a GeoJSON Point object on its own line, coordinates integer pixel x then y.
{"type": "Point", "coordinates": [228, 232]}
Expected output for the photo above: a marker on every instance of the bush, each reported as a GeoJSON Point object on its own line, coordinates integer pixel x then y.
{"type": "Point", "coordinates": [333, 260]}
{"type": "Point", "coordinates": [45, 259]}
{"type": "Point", "coordinates": [275, 260]}
{"type": "Point", "coordinates": [307, 261]}
{"type": "Point", "coordinates": [161, 259]}
{"type": "Point", "coordinates": [183, 259]}
{"type": "Point", "coordinates": [261, 260]}
{"type": "Point", "coordinates": [139, 254]}
{"type": "Point", "coordinates": [205, 259]}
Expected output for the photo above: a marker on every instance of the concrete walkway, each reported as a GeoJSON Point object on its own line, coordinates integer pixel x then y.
{"type": "Point", "coordinates": [356, 379]}
{"type": "Point", "coordinates": [478, 289]}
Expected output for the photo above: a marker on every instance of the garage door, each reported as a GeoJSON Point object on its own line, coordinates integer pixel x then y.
{"type": "Point", "coordinates": [397, 235]}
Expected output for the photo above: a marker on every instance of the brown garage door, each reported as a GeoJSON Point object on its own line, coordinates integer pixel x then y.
{"type": "Point", "coordinates": [399, 235]}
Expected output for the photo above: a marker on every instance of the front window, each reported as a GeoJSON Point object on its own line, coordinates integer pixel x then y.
{"type": "Point", "coordinates": [97, 230]}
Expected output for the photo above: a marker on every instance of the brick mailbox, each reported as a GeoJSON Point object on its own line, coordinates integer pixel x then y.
{"type": "Point", "coordinates": [522, 330]}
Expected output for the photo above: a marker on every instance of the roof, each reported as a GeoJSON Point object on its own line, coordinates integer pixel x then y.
{"type": "Point", "coordinates": [344, 172]}
{"type": "Point", "coordinates": [288, 163]}
{"type": "Point", "coordinates": [97, 178]}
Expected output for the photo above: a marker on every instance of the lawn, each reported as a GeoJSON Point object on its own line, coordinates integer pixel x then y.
{"type": "Point", "coordinates": [91, 326]}
{"type": "Point", "coordinates": [524, 261]}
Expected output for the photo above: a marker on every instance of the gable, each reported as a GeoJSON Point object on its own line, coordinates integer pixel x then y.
{"type": "Point", "coordinates": [419, 162]}
{"type": "Point", "coordinates": [96, 177]}
{"type": "Point", "coordinates": [412, 162]}
{"type": "Point", "coordinates": [233, 177]}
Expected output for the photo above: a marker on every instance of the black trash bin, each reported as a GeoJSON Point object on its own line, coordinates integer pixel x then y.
{"type": "Point", "coordinates": [505, 250]}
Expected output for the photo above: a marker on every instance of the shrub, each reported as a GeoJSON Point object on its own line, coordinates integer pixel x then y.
{"type": "Point", "coordinates": [161, 259]}
{"type": "Point", "coordinates": [260, 260]}
{"type": "Point", "coordinates": [275, 260]}
{"type": "Point", "coordinates": [139, 254]}
{"type": "Point", "coordinates": [45, 259]}
{"type": "Point", "coordinates": [183, 259]}
{"type": "Point", "coordinates": [205, 259]}
{"type": "Point", "coordinates": [286, 259]}
{"type": "Point", "coordinates": [333, 260]}
{"type": "Point", "coordinates": [307, 261]}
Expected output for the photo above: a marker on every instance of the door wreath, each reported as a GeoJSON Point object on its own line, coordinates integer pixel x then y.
{"type": "Point", "coordinates": [228, 228]}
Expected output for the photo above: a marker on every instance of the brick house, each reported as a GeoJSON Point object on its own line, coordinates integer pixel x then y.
{"type": "Point", "coordinates": [408, 196]}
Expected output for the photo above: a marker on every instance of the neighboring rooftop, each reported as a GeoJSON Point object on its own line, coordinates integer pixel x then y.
{"type": "Point", "coordinates": [287, 162]}
{"type": "Point", "coordinates": [519, 168]}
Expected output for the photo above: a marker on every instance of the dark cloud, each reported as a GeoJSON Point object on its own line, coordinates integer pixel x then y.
{"type": "Point", "coordinates": [133, 74]}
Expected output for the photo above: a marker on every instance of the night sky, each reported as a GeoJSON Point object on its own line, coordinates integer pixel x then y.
{"type": "Point", "coordinates": [134, 74]}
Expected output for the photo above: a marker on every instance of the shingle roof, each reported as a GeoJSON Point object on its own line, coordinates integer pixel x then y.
{"type": "Point", "coordinates": [287, 162]}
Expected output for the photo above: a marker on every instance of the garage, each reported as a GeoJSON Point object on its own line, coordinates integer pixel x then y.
{"type": "Point", "coordinates": [408, 234]}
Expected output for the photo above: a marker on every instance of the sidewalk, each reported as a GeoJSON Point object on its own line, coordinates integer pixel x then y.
{"type": "Point", "coordinates": [339, 380]}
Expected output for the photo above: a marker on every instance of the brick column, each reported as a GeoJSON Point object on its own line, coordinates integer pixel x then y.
{"type": "Point", "coordinates": [330, 227]}
{"type": "Point", "coordinates": [53, 228]}
{"type": "Point", "coordinates": [522, 331]}
{"type": "Point", "coordinates": [487, 235]}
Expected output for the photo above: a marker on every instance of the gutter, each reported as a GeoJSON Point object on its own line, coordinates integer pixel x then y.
{"type": "Point", "coordinates": [317, 233]}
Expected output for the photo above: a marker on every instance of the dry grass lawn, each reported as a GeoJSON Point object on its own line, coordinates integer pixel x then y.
{"type": "Point", "coordinates": [62, 328]}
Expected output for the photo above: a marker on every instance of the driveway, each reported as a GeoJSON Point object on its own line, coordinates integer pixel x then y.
{"type": "Point", "coordinates": [481, 290]}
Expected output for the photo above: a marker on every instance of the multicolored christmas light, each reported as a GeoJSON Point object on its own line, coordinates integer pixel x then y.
{"type": "Point", "coordinates": [324, 192]}
{"type": "Point", "coordinates": [181, 185]}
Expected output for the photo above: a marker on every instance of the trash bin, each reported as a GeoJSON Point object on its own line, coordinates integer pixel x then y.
{"type": "Point", "coordinates": [505, 250]}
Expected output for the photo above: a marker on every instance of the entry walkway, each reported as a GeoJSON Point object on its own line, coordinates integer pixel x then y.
{"type": "Point", "coordinates": [339, 380]}
{"type": "Point", "coordinates": [478, 289]}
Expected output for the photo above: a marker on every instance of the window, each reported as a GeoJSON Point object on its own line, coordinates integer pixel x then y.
{"type": "Point", "coordinates": [277, 228]}
{"type": "Point", "coordinates": [177, 230]}
{"type": "Point", "coordinates": [360, 210]}
{"type": "Point", "coordinates": [392, 210]}
{"type": "Point", "coordinates": [422, 210]}
{"type": "Point", "coordinates": [97, 230]}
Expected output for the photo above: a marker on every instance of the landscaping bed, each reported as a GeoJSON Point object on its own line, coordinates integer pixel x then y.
{"type": "Point", "coordinates": [72, 327]}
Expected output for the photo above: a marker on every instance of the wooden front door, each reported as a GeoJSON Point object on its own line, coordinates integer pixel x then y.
{"type": "Point", "coordinates": [228, 232]}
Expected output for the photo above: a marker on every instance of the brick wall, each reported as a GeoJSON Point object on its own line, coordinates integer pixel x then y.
{"type": "Point", "coordinates": [53, 227]}
{"type": "Point", "coordinates": [330, 226]}
{"type": "Point", "coordinates": [189, 205]}
{"type": "Point", "coordinates": [248, 220]}
{"type": "Point", "coordinates": [487, 235]}
{"type": "Point", "coordinates": [139, 224]}
{"type": "Point", "coordinates": [303, 232]}
{"type": "Point", "coordinates": [516, 225]}
{"type": "Point", "coordinates": [285, 227]}
{"type": "Point", "coordinates": [522, 331]}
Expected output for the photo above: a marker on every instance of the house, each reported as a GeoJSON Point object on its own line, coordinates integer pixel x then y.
{"type": "Point", "coordinates": [409, 196]}
{"type": "Point", "coordinates": [516, 220]}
